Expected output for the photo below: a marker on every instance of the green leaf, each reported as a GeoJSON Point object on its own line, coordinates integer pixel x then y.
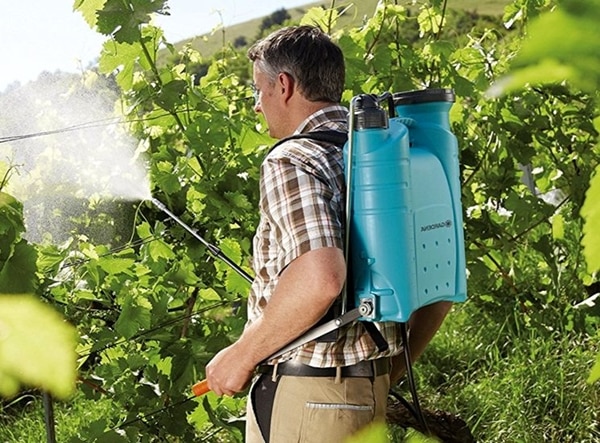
{"type": "Point", "coordinates": [112, 265]}
{"type": "Point", "coordinates": [11, 223]}
{"type": "Point", "coordinates": [143, 230]}
{"type": "Point", "coordinates": [37, 347]}
{"type": "Point", "coordinates": [209, 294]}
{"type": "Point", "coordinates": [595, 374]}
{"type": "Point", "coordinates": [123, 18]}
{"type": "Point", "coordinates": [429, 20]}
{"type": "Point", "coordinates": [591, 213]}
{"type": "Point", "coordinates": [170, 94]}
{"type": "Point", "coordinates": [135, 315]}
{"type": "Point", "coordinates": [319, 16]}
{"type": "Point", "coordinates": [199, 417]}
{"type": "Point", "coordinates": [545, 72]}
{"type": "Point", "coordinates": [112, 437]}
{"type": "Point", "coordinates": [549, 56]}
{"type": "Point", "coordinates": [374, 433]}
{"type": "Point", "coordinates": [184, 272]}
{"type": "Point", "coordinates": [558, 227]}
{"type": "Point", "coordinates": [121, 58]}
{"type": "Point", "coordinates": [18, 274]}
{"type": "Point", "coordinates": [159, 250]}
{"type": "Point", "coordinates": [89, 10]}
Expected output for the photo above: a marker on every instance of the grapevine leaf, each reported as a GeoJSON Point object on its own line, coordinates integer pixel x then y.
{"type": "Point", "coordinates": [143, 230]}
{"type": "Point", "coordinates": [170, 94]}
{"type": "Point", "coordinates": [135, 315]}
{"type": "Point", "coordinates": [122, 58]}
{"type": "Point", "coordinates": [430, 20]}
{"type": "Point", "coordinates": [182, 370]}
{"type": "Point", "coordinates": [123, 19]}
{"type": "Point", "coordinates": [89, 10]}
{"type": "Point", "coordinates": [159, 250]}
{"type": "Point", "coordinates": [558, 227]}
{"type": "Point", "coordinates": [112, 265]}
{"type": "Point", "coordinates": [112, 437]}
{"type": "Point", "coordinates": [591, 213]}
{"type": "Point", "coordinates": [18, 273]}
{"type": "Point", "coordinates": [199, 417]}
{"type": "Point", "coordinates": [184, 272]}
{"type": "Point", "coordinates": [324, 18]}
{"type": "Point", "coordinates": [209, 294]}
{"type": "Point", "coordinates": [37, 347]}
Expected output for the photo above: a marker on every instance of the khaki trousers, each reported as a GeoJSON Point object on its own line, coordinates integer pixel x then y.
{"type": "Point", "coordinates": [319, 410]}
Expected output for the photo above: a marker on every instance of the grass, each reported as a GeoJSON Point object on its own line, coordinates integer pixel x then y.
{"type": "Point", "coordinates": [523, 386]}
{"type": "Point", "coordinates": [529, 387]}
{"type": "Point", "coordinates": [22, 420]}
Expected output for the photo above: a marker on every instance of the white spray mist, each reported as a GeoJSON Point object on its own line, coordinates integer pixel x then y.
{"type": "Point", "coordinates": [79, 149]}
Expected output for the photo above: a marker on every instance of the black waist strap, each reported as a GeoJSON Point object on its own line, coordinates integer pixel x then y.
{"type": "Point", "coordinates": [367, 368]}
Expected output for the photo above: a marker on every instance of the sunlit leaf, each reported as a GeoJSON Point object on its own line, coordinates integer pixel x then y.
{"type": "Point", "coordinates": [558, 227]}
{"type": "Point", "coordinates": [209, 294]}
{"type": "Point", "coordinates": [89, 9]}
{"type": "Point", "coordinates": [112, 265]}
{"type": "Point", "coordinates": [319, 16]}
{"type": "Point", "coordinates": [123, 19]}
{"type": "Point", "coordinates": [37, 347]}
{"type": "Point", "coordinates": [429, 20]}
{"type": "Point", "coordinates": [158, 250]}
{"type": "Point", "coordinates": [591, 213]}
{"type": "Point", "coordinates": [375, 433]}
{"type": "Point", "coordinates": [595, 374]}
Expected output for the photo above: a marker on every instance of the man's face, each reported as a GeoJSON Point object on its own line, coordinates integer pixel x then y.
{"type": "Point", "coordinates": [267, 102]}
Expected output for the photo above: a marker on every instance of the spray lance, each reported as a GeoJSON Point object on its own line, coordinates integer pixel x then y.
{"type": "Point", "coordinates": [201, 387]}
{"type": "Point", "coordinates": [214, 250]}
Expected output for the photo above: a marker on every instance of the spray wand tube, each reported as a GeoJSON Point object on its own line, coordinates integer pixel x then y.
{"type": "Point", "coordinates": [201, 387]}
{"type": "Point", "coordinates": [214, 250]}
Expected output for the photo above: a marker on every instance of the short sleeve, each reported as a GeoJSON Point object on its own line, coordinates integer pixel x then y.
{"type": "Point", "coordinates": [300, 206]}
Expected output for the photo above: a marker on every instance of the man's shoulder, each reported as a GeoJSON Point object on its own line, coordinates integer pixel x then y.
{"type": "Point", "coordinates": [337, 137]}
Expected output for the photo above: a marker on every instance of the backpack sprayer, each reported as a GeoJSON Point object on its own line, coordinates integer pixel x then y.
{"type": "Point", "coordinates": [404, 236]}
{"type": "Point", "coordinates": [404, 211]}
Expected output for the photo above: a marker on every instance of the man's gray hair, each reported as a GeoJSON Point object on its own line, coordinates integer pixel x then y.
{"type": "Point", "coordinates": [308, 55]}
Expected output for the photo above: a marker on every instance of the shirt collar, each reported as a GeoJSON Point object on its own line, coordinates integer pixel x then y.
{"type": "Point", "coordinates": [331, 117]}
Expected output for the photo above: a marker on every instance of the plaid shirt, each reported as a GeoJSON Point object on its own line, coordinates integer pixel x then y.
{"type": "Point", "coordinates": [302, 202]}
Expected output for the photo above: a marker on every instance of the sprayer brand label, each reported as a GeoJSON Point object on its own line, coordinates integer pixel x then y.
{"type": "Point", "coordinates": [431, 227]}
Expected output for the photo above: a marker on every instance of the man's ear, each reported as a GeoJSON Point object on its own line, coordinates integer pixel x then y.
{"type": "Point", "coordinates": [286, 84]}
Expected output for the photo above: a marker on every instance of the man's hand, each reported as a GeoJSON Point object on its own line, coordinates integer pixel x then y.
{"type": "Point", "coordinates": [229, 371]}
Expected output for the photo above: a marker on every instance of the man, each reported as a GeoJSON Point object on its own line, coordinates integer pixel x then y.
{"type": "Point", "coordinates": [323, 391]}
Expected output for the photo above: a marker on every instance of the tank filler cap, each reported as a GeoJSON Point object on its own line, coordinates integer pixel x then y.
{"type": "Point", "coordinates": [424, 96]}
{"type": "Point", "coordinates": [368, 114]}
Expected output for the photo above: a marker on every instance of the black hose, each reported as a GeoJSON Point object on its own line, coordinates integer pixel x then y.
{"type": "Point", "coordinates": [411, 379]}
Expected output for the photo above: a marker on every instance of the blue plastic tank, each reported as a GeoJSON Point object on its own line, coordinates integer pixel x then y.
{"type": "Point", "coordinates": [406, 233]}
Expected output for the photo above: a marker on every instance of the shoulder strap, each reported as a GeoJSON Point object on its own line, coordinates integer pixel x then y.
{"type": "Point", "coordinates": [337, 138]}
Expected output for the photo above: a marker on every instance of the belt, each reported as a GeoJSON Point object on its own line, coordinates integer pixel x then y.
{"type": "Point", "coordinates": [366, 368]}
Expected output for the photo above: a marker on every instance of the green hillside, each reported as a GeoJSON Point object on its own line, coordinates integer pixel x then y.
{"type": "Point", "coordinates": [207, 44]}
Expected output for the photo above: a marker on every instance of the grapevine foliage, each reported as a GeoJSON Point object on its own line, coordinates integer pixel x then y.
{"type": "Point", "coordinates": [151, 312]}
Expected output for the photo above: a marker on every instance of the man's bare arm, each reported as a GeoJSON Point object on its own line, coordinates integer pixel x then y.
{"type": "Point", "coordinates": [304, 293]}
